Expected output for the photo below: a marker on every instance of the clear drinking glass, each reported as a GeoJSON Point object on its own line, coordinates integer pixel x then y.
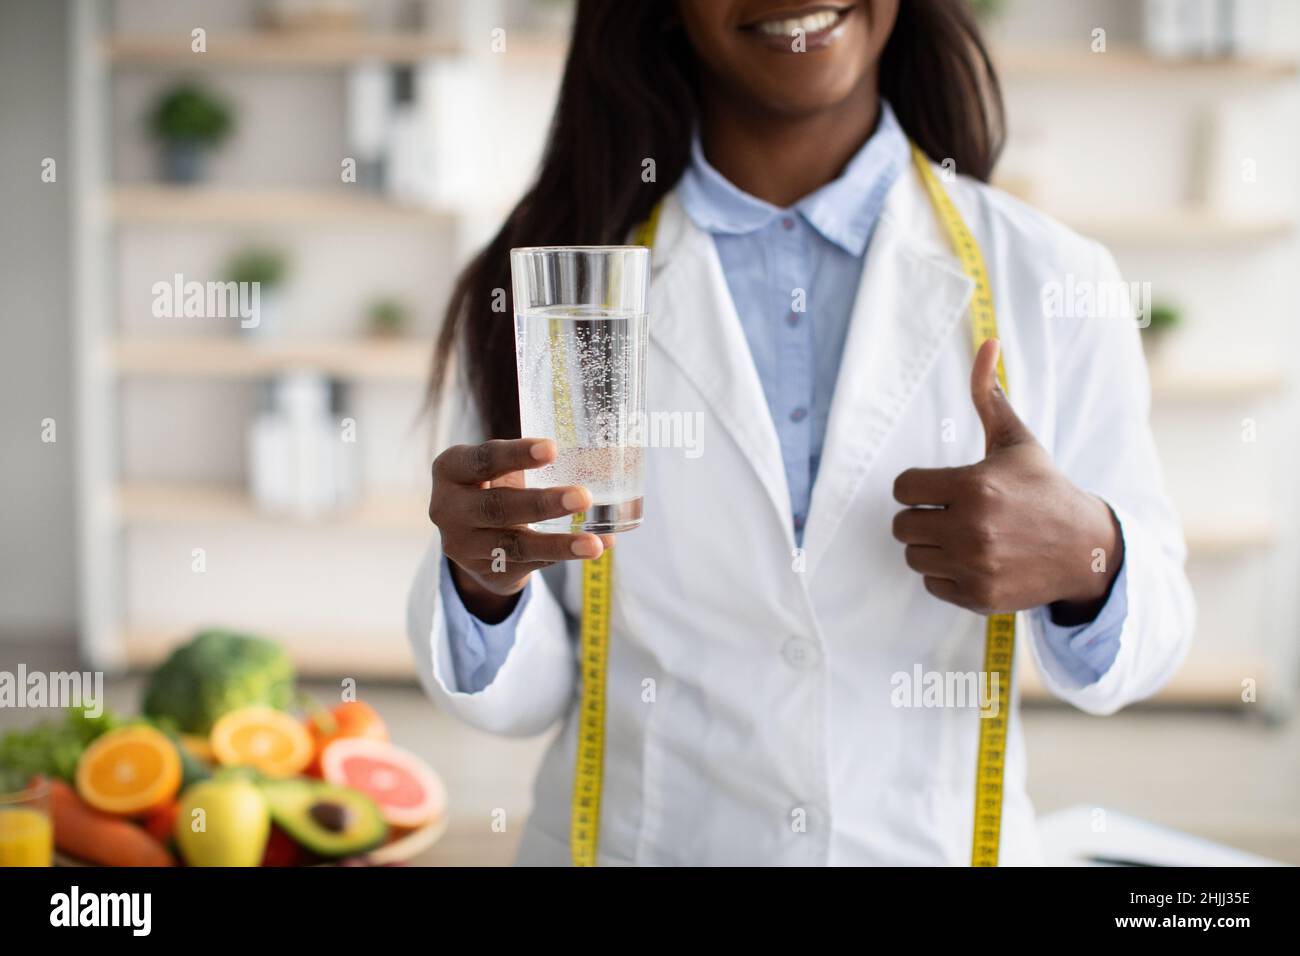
{"type": "Point", "coordinates": [580, 343]}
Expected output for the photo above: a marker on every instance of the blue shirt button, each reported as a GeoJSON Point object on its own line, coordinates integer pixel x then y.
{"type": "Point", "coordinates": [787, 222]}
{"type": "Point", "coordinates": [798, 522]}
{"type": "Point", "coordinates": [792, 318]}
{"type": "Point", "coordinates": [799, 414]}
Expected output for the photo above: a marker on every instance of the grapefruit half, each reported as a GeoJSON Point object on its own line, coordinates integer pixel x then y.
{"type": "Point", "coordinates": [409, 793]}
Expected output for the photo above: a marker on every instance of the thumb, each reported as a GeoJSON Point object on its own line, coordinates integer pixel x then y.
{"type": "Point", "coordinates": [1002, 427]}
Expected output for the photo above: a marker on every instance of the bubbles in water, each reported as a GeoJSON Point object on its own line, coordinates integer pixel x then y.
{"type": "Point", "coordinates": [581, 383]}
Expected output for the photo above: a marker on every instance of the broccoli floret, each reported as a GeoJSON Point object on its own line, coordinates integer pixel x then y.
{"type": "Point", "coordinates": [52, 747]}
{"type": "Point", "coordinates": [215, 673]}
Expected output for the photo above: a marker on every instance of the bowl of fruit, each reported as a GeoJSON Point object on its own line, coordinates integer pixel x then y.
{"type": "Point", "coordinates": [229, 765]}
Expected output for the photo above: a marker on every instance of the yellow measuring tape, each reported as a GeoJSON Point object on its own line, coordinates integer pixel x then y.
{"type": "Point", "coordinates": [589, 767]}
{"type": "Point", "coordinates": [593, 655]}
{"type": "Point", "coordinates": [1000, 634]}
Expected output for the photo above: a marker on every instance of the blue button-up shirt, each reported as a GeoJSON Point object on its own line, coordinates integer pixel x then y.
{"type": "Point", "coordinates": [793, 275]}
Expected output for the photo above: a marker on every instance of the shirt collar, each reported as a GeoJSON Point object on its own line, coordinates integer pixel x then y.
{"type": "Point", "coordinates": [844, 211]}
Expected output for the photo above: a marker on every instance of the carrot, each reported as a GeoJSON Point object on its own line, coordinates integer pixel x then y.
{"type": "Point", "coordinates": [95, 837]}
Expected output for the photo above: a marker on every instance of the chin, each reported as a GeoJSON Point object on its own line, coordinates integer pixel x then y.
{"type": "Point", "coordinates": [807, 92]}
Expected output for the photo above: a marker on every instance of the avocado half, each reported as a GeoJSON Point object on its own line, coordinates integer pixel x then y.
{"type": "Point", "coordinates": [329, 821]}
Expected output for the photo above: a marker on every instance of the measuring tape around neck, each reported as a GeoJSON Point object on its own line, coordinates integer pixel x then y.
{"type": "Point", "coordinates": [1000, 633]}
{"type": "Point", "coordinates": [593, 657]}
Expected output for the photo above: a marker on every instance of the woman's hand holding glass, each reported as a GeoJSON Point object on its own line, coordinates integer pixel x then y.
{"type": "Point", "coordinates": [482, 509]}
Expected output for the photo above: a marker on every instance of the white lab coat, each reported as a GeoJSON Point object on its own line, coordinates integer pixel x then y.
{"type": "Point", "coordinates": [749, 715]}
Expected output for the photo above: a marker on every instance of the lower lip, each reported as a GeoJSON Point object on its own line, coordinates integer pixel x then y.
{"type": "Point", "coordinates": [784, 43]}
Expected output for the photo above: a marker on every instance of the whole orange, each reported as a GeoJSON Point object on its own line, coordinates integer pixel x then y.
{"type": "Point", "coordinates": [353, 718]}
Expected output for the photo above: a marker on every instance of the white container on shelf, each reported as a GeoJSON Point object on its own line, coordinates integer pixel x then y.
{"type": "Point", "coordinates": [369, 115]}
{"type": "Point", "coordinates": [1244, 25]}
{"type": "Point", "coordinates": [298, 465]}
{"type": "Point", "coordinates": [409, 152]}
{"type": "Point", "coordinates": [1179, 29]}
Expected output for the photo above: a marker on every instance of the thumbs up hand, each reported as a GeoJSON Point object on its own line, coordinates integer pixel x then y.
{"type": "Point", "coordinates": [1002, 427]}
{"type": "Point", "coordinates": [1010, 532]}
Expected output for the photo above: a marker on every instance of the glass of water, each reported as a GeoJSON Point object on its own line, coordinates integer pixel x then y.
{"type": "Point", "coordinates": [580, 343]}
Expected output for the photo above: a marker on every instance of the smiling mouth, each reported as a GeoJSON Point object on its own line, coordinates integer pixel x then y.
{"type": "Point", "coordinates": [815, 23]}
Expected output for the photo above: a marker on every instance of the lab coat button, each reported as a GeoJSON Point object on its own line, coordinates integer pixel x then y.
{"type": "Point", "coordinates": [800, 654]}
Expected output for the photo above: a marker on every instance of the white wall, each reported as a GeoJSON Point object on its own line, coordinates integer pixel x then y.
{"type": "Point", "coordinates": [37, 522]}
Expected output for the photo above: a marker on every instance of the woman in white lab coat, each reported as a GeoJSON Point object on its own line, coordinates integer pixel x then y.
{"type": "Point", "coordinates": [810, 582]}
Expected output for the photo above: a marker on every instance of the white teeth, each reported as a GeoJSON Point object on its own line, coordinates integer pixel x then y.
{"type": "Point", "coordinates": [812, 23]}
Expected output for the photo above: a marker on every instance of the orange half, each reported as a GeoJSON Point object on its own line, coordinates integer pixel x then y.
{"type": "Point", "coordinates": [129, 771]}
{"type": "Point", "coordinates": [264, 738]}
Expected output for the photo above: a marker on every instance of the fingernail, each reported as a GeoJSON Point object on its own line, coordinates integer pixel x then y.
{"type": "Point", "coordinates": [539, 450]}
{"type": "Point", "coordinates": [586, 547]}
{"type": "Point", "coordinates": [574, 500]}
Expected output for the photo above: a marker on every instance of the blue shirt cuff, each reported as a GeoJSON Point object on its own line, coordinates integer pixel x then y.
{"type": "Point", "coordinates": [1087, 651]}
{"type": "Point", "coordinates": [478, 649]}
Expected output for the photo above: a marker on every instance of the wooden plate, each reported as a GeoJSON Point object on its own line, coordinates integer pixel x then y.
{"type": "Point", "coordinates": [406, 847]}
{"type": "Point", "coordinates": [401, 850]}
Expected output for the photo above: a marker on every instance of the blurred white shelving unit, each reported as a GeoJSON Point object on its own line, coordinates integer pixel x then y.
{"type": "Point", "coordinates": [404, 362]}
{"type": "Point", "coordinates": [166, 503]}
{"type": "Point", "coordinates": [1216, 385]}
{"type": "Point", "coordinates": [1133, 64]}
{"type": "Point", "coordinates": [298, 581]}
{"type": "Point", "coordinates": [175, 205]}
{"type": "Point", "coordinates": [272, 49]}
{"type": "Point", "coordinates": [129, 516]}
{"type": "Point", "coordinates": [1186, 228]}
{"type": "Point", "coordinates": [386, 654]}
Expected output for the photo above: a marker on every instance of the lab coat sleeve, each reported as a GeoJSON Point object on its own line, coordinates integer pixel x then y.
{"type": "Point", "coordinates": [533, 686]}
{"type": "Point", "coordinates": [478, 649]}
{"type": "Point", "coordinates": [1104, 445]}
{"type": "Point", "coordinates": [1087, 651]}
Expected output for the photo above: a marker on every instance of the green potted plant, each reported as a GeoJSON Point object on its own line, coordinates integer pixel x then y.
{"type": "Point", "coordinates": [987, 10]}
{"type": "Point", "coordinates": [263, 269]}
{"type": "Point", "coordinates": [388, 318]}
{"type": "Point", "coordinates": [188, 121]}
{"type": "Point", "coordinates": [1164, 318]}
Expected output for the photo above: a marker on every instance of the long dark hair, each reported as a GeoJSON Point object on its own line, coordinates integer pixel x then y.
{"type": "Point", "coordinates": [627, 96]}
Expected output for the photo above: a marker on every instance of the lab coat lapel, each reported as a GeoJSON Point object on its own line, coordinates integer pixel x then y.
{"type": "Point", "coordinates": [911, 295]}
{"type": "Point", "coordinates": [694, 321]}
